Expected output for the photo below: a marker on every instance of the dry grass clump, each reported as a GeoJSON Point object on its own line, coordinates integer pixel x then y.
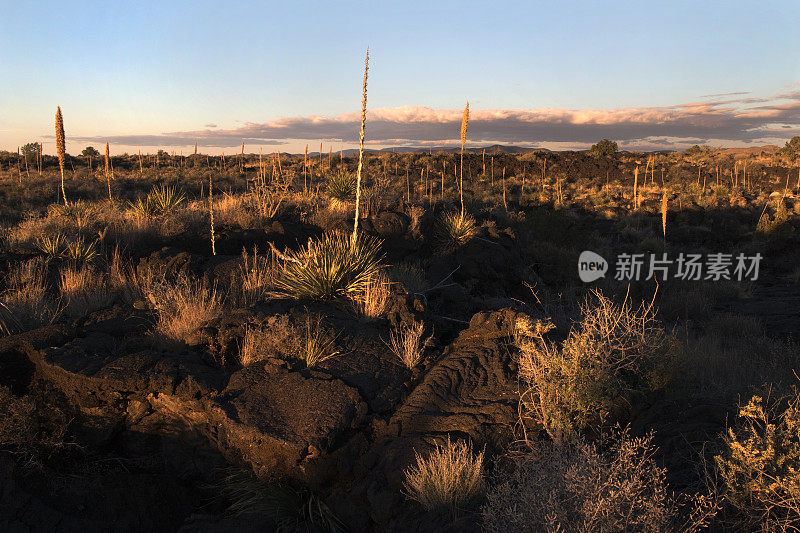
{"type": "Point", "coordinates": [448, 479]}
{"type": "Point", "coordinates": [252, 346]}
{"type": "Point", "coordinates": [277, 337]}
{"type": "Point", "coordinates": [612, 353]}
{"type": "Point", "coordinates": [576, 487]}
{"type": "Point", "coordinates": [255, 279]}
{"type": "Point", "coordinates": [26, 303]}
{"type": "Point", "coordinates": [452, 230]}
{"type": "Point", "coordinates": [371, 302]}
{"type": "Point", "coordinates": [83, 290]}
{"type": "Point", "coordinates": [760, 466]}
{"type": "Point", "coordinates": [184, 306]}
{"type": "Point", "coordinates": [329, 267]}
{"type": "Point", "coordinates": [407, 343]}
{"type": "Point", "coordinates": [317, 346]}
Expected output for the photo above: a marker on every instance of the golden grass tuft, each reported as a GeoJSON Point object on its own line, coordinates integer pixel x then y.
{"type": "Point", "coordinates": [407, 343]}
{"type": "Point", "coordinates": [449, 478]}
{"type": "Point", "coordinates": [371, 301]}
{"type": "Point", "coordinates": [184, 306]}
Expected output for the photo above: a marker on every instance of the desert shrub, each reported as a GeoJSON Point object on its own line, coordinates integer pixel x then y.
{"type": "Point", "coordinates": [329, 267]}
{"type": "Point", "coordinates": [452, 230]}
{"type": "Point", "coordinates": [614, 352]}
{"type": "Point", "coordinates": [407, 343]}
{"type": "Point", "coordinates": [276, 337]}
{"type": "Point", "coordinates": [760, 466]}
{"type": "Point", "coordinates": [265, 196]}
{"type": "Point", "coordinates": [576, 487]}
{"type": "Point", "coordinates": [27, 430]}
{"type": "Point", "coordinates": [342, 187]}
{"type": "Point", "coordinates": [448, 479]}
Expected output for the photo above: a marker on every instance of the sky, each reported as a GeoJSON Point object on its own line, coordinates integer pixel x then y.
{"type": "Point", "coordinates": [280, 75]}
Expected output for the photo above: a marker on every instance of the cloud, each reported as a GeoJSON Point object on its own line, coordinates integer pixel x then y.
{"type": "Point", "coordinates": [210, 126]}
{"type": "Point", "coordinates": [721, 119]}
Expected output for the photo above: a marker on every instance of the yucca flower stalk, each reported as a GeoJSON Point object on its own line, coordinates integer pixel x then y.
{"type": "Point", "coordinates": [636, 188]}
{"type": "Point", "coordinates": [61, 149]}
{"type": "Point", "coordinates": [664, 208]}
{"type": "Point", "coordinates": [305, 169]}
{"type": "Point", "coordinates": [464, 125]}
{"type": "Point", "coordinates": [361, 147]}
{"type": "Point", "coordinates": [108, 171]}
{"type": "Point", "coordinates": [211, 213]}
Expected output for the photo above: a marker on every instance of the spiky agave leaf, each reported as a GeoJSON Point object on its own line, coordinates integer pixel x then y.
{"type": "Point", "coordinates": [330, 267]}
{"type": "Point", "coordinates": [453, 230]}
{"type": "Point", "coordinates": [342, 186]}
{"type": "Point", "coordinates": [165, 198]}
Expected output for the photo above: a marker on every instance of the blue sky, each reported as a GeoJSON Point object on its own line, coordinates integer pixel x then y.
{"type": "Point", "coordinates": [142, 72]}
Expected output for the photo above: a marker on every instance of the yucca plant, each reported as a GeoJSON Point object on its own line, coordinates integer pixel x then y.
{"type": "Point", "coordinates": [290, 509]}
{"type": "Point", "coordinates": [342, 187]}
{"type": "Point", "coordinates": [332, 266]}
{"type": "Point", "coordinates": [452, 230]}
{"type": "Point", "coordinates": [52, 246]}
{"type": "Point", "coordinates": [165, 198]}
{"type": "Point", "coordinates": [80, 251]}
{"type": "Point", "coordinates": [142, 209]}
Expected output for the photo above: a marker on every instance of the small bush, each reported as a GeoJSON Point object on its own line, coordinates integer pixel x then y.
{"type": "Point", "coordinates": [575, 487]}
{"type": "Point", "coordinates": [760, 466]}
{"type": "Point", "coordinates": [614, 352]}
{"type": "Point", "coordinates": [450, 478]}
{"type": "Point", "coordinates": [329, 267]}
{"type": "Point", "coordinates": [452, 230]}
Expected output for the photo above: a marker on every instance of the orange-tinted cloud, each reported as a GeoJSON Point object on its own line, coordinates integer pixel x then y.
{"type": "Point", "coordinates": [721, 119]}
